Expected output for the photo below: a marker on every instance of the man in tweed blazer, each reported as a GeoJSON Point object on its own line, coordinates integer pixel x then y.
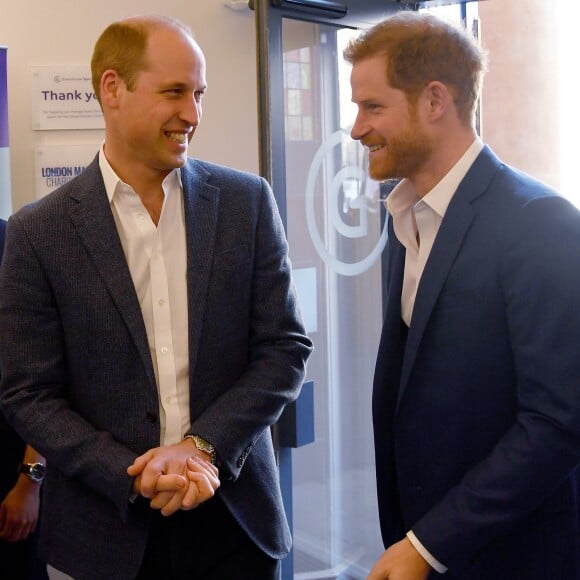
{"type": "Point", "coordinates": [151, 336]}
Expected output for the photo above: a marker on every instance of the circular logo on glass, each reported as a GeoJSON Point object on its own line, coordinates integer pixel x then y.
{"type": "Point", "coordinates": [349, 190]}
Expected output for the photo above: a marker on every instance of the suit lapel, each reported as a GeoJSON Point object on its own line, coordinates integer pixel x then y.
{"type": "Point", "coordinates": [201, 205]}
{"type": "Point", "coordinates": [95, 225]}
{"type": "Point", "coordinates": [454, 228]}
{"type": "Point", "coordinates": [395, 271]}
{"type": "Point", "coordinates": [94, 222]}
{"type": "Point", "coordinates": [392, 346]}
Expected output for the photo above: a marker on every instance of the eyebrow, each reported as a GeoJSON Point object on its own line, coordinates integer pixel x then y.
{"type": "Point", "coordinates": [181, 85]}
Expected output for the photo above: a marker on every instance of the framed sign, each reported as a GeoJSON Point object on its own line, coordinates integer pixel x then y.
{"type": "Point", "coordinates": [57, 165]}
{"type": "Point", "coordinates": [63, 98]}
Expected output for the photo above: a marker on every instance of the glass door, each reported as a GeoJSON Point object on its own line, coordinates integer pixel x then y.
{"type": "Point", "coordinates": [335, 226]}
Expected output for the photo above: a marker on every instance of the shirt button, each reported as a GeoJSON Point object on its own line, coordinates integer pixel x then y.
{"type": "Point", "coordinates": [164, 350]}
{"type": "Point", "coordinates": [161, 302]}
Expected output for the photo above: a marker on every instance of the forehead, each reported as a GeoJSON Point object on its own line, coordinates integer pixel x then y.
{"type": "Point", "coordinates": [171, 51]}
{"type": "Point", "coordinates": [368, 81]}
{"type": "Point", "coordinates": [370, 73]}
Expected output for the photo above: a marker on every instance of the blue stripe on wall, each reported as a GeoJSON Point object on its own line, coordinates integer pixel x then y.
{"type": "Point", "coordinates": [3, 100]}
{"type": "Point", "coordinates": [5, 195]}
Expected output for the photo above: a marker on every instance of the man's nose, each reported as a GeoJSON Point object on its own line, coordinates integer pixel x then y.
{"type": "Point", "coordinates": [358, 128]}
{"type": "Point", "coordinates": [191, 112]}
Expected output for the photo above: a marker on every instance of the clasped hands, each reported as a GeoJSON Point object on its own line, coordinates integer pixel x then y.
{"type": "Point", "coordinates": [174, 477]}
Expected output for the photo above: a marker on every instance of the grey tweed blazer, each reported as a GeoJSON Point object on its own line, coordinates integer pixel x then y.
{"type": "Point", "coordinates": [77, 376]}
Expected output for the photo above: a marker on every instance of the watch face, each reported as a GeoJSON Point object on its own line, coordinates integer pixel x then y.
{"type": "Point", "coordinates": [35, 471]}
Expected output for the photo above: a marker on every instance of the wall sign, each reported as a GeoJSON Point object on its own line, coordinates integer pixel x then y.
{"type": "Point", "coordinates": [63, 98]}
{"type": "Point", "coordinates": [57, 165]}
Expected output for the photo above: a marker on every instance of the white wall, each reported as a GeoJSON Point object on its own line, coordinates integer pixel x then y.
{"type": "Point", "coordinates": [63, 32]}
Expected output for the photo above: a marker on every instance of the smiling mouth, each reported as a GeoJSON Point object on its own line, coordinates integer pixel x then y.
{"type": "Point", "coordinates": [180, 138]}
{"type": "Point", "coordinates": [373, 148]}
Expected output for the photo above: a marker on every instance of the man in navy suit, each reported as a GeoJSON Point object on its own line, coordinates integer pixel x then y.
{"type": "Point", "coordinates": [476, 401]}
{"type": "Point", "coordinates": [150, 336]}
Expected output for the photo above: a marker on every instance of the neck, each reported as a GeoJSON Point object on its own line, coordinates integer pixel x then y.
{"type": "Point", "coordinates": [447, 152]}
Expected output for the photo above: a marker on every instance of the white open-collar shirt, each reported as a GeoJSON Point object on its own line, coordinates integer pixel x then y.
{"type": "Point", "coordinates": [416, 222]}
{"type": "Point", "coordinates": [157, 260]}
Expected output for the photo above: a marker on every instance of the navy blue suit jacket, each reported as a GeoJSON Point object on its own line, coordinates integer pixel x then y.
{"type": "Point", "coordinates": [78, 381]}
{"type": "Point", "coordinates": [477, 407]}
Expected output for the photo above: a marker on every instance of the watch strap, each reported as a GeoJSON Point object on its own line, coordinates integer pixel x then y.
{"type": "Point", "coordinates": [34, 471]}
{"type": "Point", "coordinates": [204, 445]}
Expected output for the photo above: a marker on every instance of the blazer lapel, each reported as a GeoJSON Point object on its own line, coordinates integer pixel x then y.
{"type": "Point", "coordinates": [95, 225]}
{"type": "Point", "coordinates": [454, 228]}
{"type": "Point", "coordinates": [201, 204]}
{"type": "Point", "coordinates": [393, 336]}
{"type": "Point", "coordinates": [395, 271]}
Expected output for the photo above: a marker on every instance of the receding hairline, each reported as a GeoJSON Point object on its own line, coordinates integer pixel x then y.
{"type": "Point", "coordinates": [123, 46]}
{"type": "Point", "coordinates": [151, 22]}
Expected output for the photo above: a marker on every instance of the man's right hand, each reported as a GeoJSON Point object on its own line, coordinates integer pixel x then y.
{"type": "Point", "coordinates": [401, 561]}
{"type": "Point", "coordinates": [174, 477]}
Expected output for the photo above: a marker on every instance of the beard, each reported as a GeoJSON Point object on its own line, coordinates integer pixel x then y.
{"type": "Point", "coordinates": [403, 156]}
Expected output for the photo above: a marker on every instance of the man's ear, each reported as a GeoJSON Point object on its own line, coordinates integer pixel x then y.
{"type": "Point", "coordinates": [110, 84]}
{"type": "Point", "coordinates": [437, 99]}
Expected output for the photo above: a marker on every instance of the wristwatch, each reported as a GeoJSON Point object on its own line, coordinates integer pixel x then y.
{"type": "Point", "coordinates": [35, 471]}
{"type": "Point", "coordinates": [204, 445]}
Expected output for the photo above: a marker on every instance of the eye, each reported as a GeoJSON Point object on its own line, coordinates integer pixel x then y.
{"type": "Point", "coordinates": [172, 93]}
{"type": "Point", "coordinates": [198, 95]}
{"type": "Point", "coordinates": [372, 107]}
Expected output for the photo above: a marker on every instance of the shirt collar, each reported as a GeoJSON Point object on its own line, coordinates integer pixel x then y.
{"type": "Point", "coordinates": [404, 195]}
{"type": "Point", "coordinates": [112, 180]}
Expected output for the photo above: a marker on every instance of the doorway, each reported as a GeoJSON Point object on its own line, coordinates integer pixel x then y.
{"type": "Point", "coordinates": [335, 220]}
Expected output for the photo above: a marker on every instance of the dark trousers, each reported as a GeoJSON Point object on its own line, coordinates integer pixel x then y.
{"type": "Point", "coordinates": [203, 544]}
{"type": "Point", "coordinates": [18, 561]}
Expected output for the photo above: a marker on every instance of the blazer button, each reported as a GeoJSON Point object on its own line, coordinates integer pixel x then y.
{"type": "Point", "coordinates": [151, 417]}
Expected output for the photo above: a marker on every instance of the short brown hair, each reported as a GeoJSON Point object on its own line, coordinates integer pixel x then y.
{"type": "Point", "coordinates": [421, 48]}
{"type": "Point", "coordinates": [123, 45]}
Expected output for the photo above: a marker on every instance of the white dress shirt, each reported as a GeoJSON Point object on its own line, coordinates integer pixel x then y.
{"type": "Point", "coordinates": [416, 222]}
{"type": "Point", "coordinates": [157, 260]}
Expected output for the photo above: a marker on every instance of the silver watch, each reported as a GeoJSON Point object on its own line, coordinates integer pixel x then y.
{"type": "Point", "coordinates": [35, 471]}
{"type": "Point", "coordinates": [204, 445]}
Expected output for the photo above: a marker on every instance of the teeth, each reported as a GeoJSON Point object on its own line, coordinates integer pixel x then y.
{"type": "Point", "coordinates": [373, 148]}
{"type": "Point", "coordinates": [177, 137]}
